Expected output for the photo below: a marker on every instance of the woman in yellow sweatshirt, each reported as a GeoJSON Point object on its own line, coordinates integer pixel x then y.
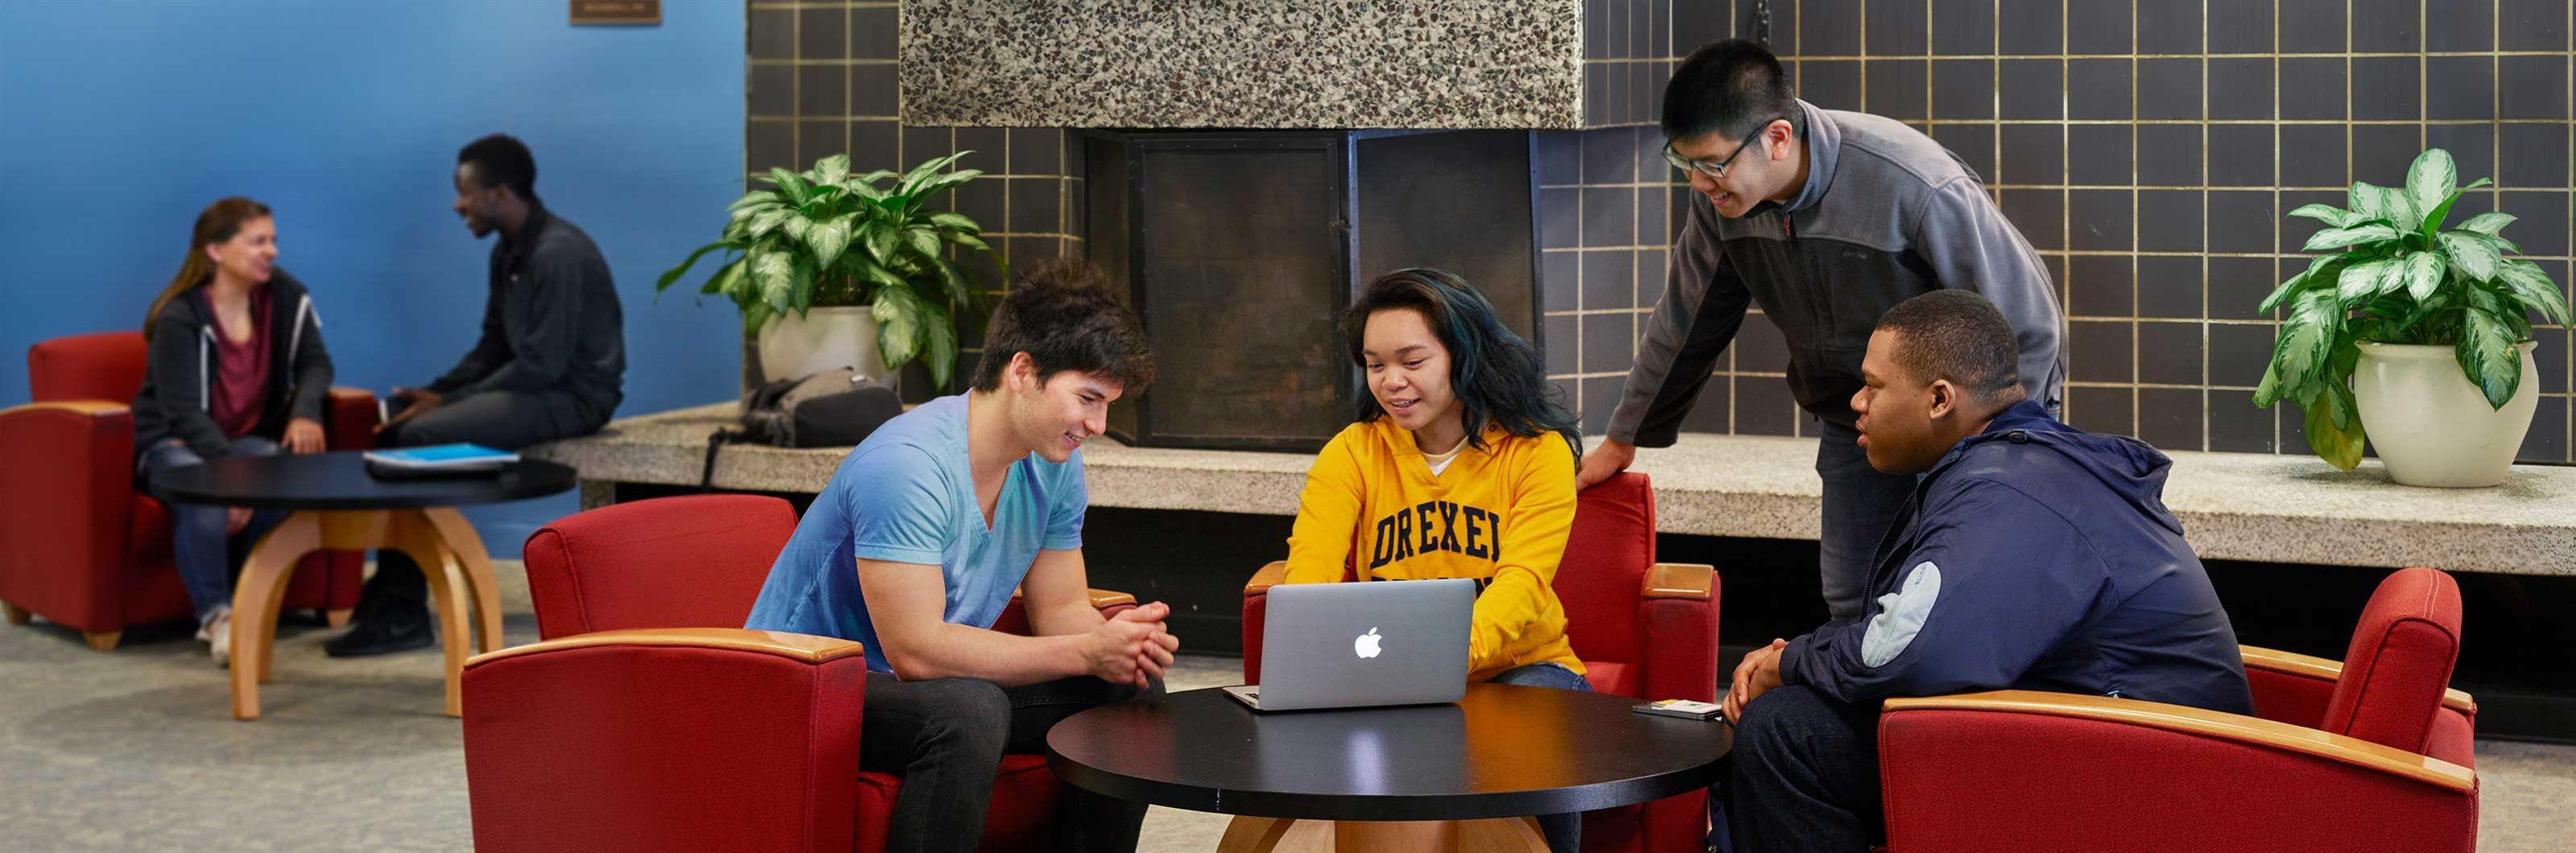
{"type": "Point", "coordinates": [1456, 465]}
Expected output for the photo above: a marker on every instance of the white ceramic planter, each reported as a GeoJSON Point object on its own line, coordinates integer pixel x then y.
{"type": "Point", "coordinates": [2431, 426]}
{"type": "Point", "coordinates": [823, 339]}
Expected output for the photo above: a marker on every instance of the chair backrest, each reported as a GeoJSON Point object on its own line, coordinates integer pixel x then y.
{"type": "Point", "coordinates": [101, 366]}
{"type": "Point", "coordinates": [2399, 662]}
{"type": "Point", "coordinates": [1604, 570]}
{"type": "Point", "coordinates": [695, 561]}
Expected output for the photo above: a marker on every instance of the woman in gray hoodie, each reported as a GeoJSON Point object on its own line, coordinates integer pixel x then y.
{"type": "Point", "coordinates": [235, 367]}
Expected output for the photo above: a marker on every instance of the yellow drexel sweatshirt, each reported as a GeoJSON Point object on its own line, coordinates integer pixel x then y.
{"type": "Point", "coordinates": [1498, 515]}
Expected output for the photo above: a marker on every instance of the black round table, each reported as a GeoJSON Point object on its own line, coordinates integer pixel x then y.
{"type": "Point", "coordinates": [337, 505]}
{"type": "Point", "coordinates": [1503, 752]}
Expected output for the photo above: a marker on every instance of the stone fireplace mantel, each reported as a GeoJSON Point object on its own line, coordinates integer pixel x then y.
{"type": "Point", "coordinates": [1459, 64]}
{"type": "Point", "coordinates": [2236, 506]}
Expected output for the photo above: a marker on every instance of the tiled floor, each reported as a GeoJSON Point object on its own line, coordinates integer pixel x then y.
{"type": "Point", "coordinates": [134, 751]}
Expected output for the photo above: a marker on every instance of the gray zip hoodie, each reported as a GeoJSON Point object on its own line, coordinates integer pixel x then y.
{"type": "Point", "coordinates": [1887, 214]}
{"type": "Point", "coordinates": [182, 361]}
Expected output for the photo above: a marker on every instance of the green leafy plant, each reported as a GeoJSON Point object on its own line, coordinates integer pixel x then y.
{"type": "Point", "coordinates": [2394, 275]}
{"type": "Point", "coordinates": [825, 237]}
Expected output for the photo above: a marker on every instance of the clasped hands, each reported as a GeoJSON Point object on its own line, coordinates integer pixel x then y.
{"type": "Point", "coordinates": [1132, 647]}
{"type": "Point", "coordinates": [1759, 672]}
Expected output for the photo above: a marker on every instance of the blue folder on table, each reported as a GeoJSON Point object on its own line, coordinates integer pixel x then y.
{"type": "Point", "coordinates": [442, 457]}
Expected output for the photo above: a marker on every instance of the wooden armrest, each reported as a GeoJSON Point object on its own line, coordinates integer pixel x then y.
{"type": "Point", "coordinates": [2188, 720]}
{"type": "Point", "coordinates": [1689, 581]}
{"type": "Point", "coordinates": [2309, 666]}
{"type": "Point", "coordinates": [802, 647]}
{"type": "Point", "coordinates": [1103, 599]}
{"type": "Point", "coordinates": [1269, 576]}
{"type": "Point", "coordinates": [92, 408]}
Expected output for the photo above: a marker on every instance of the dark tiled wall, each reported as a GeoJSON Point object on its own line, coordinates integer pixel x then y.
{"type": "Point", "coordinates": [821, 80]}
{"type": "Point", "coordinates": [2147, 149]}
{"type": "Point", "coordinates": [1627, 55]}
{"type": "Point", "coordinates": [1608, 211]}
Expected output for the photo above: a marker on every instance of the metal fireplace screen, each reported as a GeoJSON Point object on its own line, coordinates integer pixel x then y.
{"type": "Point", "coordinates": [1242, 249]}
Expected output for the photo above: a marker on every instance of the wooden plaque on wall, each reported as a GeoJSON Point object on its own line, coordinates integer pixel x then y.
{"type": "Point", "coordinates": [616, 11]}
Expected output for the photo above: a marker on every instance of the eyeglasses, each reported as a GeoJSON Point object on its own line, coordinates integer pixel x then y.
{"type": "Point", "coordinates": [1714, 170]}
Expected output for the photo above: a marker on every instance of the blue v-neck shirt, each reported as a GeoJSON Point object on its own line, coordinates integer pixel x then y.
{"type": "Point", "coordinates": [905, 495]}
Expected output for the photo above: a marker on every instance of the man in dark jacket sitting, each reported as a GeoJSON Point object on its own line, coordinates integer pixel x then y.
{"type": "Point", "coordinates": [2031, 556]}
{"type": "Point", "coordinates": [551, 363]}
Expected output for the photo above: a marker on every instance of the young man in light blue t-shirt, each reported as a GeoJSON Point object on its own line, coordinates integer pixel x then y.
{"type": "Point", "coordinates": [915, 548]}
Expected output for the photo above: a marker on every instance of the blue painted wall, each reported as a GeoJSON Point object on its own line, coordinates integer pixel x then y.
{"type": "Point", "coordinates": [120, 120]}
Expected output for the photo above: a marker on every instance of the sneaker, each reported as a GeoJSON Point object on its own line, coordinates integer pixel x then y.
{"type": "Point", "coordinates": [382, 635]}
{"type": "Point", "coordinates": [217, 631]}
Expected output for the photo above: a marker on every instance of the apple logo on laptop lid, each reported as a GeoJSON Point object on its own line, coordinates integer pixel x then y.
{"type": "Point", "coordinates": [1366, 645]}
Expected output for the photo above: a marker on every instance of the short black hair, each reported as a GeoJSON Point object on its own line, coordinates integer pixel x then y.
{"type": "Point", "coordinates": [1065, 315]}
{"type": "Point", "coordinates": [1734, 87]}
{"type": "Point", "coordinates": [500, 160]}
{"type": "Point", "coordinates": [1959, 336]}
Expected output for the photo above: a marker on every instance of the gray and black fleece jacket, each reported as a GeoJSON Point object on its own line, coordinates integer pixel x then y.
{"type": "Point", "coordinates": [180, 365]}
{"type": "Point", "coordinates": [1886, 215]}
{"type": "Point", "coordinates": [551, 323]}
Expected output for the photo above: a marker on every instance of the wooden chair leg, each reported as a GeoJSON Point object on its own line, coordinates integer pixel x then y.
{"type": "Point", "coordinates": [17, 615]}
{"type": "Point", "coordinates": [338, 616]}
{"type": "Point", "coordinates": [104, 641]}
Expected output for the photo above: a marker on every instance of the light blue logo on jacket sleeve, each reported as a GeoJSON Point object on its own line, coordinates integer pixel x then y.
{"type": "Point", "coordinates": [1900, 616]}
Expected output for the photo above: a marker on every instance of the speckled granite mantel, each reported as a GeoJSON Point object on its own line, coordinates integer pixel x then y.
{"type": "Point", "coordinates": [1243, 63]}
{"type": "Point", "coordinates": [2236, 506]}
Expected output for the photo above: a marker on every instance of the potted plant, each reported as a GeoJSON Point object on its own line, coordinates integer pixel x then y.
{"type": "Point", "coordinates": [2411, 336]}
{"type": "Point", "coordinates": [838, 270]}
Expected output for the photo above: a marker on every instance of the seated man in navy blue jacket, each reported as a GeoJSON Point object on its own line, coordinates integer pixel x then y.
{"type": "Point", "coordinates": [2031, 556]}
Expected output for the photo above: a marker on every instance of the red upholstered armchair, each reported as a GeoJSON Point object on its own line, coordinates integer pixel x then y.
{"type": "Point", "coordinates": [2369, 754]}
{"type": "Point", "coordinates": [79, 545]}
{"type": "Point", "coordinates": [1642, 628]}
{"type": "Point", "coordinates": [648, 719]}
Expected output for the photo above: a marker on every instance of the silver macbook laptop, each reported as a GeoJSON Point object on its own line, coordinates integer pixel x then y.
{"type": "Point", "coordinates": [1360, 644]}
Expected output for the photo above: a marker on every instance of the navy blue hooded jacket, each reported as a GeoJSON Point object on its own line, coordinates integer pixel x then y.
{"type": "Point", "coordinates": [2034, 556]}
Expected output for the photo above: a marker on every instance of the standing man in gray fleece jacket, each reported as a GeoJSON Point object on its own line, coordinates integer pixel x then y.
{"type": "Point", "coordinates": [1825, 219]}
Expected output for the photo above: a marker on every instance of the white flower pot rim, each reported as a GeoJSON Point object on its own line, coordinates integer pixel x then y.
{"type": "Point", "coordinates": [2386, 350]}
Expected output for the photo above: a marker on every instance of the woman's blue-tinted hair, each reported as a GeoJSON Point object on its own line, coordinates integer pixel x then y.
{"type": "Point", "coordinates": [1499, 379]}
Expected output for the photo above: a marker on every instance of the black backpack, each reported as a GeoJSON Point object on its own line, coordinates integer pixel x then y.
{"type": "Point", "coordinates": [834, 408]}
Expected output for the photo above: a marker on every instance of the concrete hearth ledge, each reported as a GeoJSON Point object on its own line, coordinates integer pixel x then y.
{"type": "Point", "coordinates": [2237, 506]}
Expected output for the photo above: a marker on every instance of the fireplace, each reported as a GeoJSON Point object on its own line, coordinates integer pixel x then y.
{"type": "Point", "coordinates": [1243, 247]}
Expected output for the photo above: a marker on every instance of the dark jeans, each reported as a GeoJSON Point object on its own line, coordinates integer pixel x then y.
{"type": "Point", "coordinates": [1859, 504]}
{"type": "Point", "coordinates": [946, 738]}
{"type": "Point", "coordinates": [1564, 831]}
{"type": "Point", "coordinates": [507, 420]}
{"type": "Point", "coordinates": [198, 544]}
{"type": "Point", "coordinates": [1804, 775]}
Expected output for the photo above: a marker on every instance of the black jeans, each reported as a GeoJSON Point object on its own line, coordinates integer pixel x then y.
{"type": "Point", "coordinates": [1859, 504]}
{"type": "Point", "coordinates": [1804, 775]}
{"type": "Point", "coordinates": [506, 420]}
{"type": "Point", "coordinates": [946, 738]}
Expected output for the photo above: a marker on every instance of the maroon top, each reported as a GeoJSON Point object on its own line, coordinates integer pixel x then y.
{"type": "Point", "coordinates": [239, 389]}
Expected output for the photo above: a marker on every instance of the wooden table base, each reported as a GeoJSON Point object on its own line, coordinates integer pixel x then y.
{"type": "Point", "coordinates": [1279, 835]}
{"type": "Point", "coordinates": [448, 551]}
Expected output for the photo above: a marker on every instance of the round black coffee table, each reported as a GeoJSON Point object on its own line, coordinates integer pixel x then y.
{"type": "Point", "coordinates": [1502, 753]}
{"type": "Point", "coordinates": [337, 505]}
